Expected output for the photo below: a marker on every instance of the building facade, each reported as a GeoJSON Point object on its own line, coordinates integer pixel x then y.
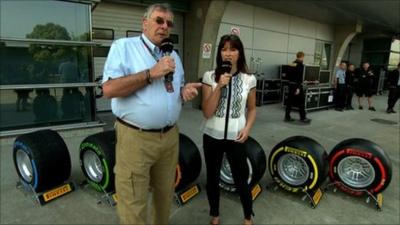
{"type": "Point", "coordinates": [52, 57]}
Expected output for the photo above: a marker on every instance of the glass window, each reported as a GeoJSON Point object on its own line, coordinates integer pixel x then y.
{"type": "Point", "coordinates": [101, 51]}
{"type": "Point", "coordinates": [394, 59]}
{"type": "Point", "coordinates": [377, 44]}
{"type": "Point", "coordinates": [322, 54]}
{"type": "Point", "coordinates": [102, 33]}
{"type": "Point", "coordinates": [23, 63]}
{"type": "Point", "coordinates": [25, 108]}
{"type": "Point", "coordinates": [395, 45]}
{"type": "Point", "coordinates": [41, 19]}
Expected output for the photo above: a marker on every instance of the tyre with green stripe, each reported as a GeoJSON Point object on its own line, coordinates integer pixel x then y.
{"type": "Point", "coordinates": [298, 163]}
{"type": "Point", "coordinates": [97, 159]}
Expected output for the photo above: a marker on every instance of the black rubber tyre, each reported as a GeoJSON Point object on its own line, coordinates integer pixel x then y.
{"type": "Point", "coordinates": [101, 148]}
{"type": "Point", "coordinates": [41, 159]}
{"type": "Point", "coordinates": [298, 163]}
{"type": "Point", "coordinates": [97, 160]}
{"type": "Point", "coordinates": [189, 166]}
{"type": "Point", "coordinates": [256, 161]}
{"type": "Point", "coordinates": [357, 164]}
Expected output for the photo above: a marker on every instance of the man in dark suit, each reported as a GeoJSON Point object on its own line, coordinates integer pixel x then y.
{"type": "Point", "coordinates": [394, 88]}
{"type": "Point", "coordinates": [296, 93]}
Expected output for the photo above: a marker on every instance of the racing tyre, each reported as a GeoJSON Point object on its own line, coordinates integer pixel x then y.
{"type": "Point", "coordinates": [41, 159]}
{"type": "Point", "coordinates": [357, 165]}
{"type": "Point", "coordinates": [97, 160]}
{"type": "Point", "coordinates": [256, 163]}
{"type": "Point", "coordinates": [189, 166]}
{"type": "Point", "coordinates": [298, 163]}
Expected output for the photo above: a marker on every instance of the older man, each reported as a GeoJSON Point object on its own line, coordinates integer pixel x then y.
{"type": "Point", "coordinates": [147, 107]}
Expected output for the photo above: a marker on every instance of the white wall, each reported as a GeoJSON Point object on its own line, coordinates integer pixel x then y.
{"type": "Point", "coordinates": [272, 36]}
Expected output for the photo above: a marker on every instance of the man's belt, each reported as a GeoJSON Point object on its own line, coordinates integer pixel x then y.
{"type": "Point", "coordinates": [161, 130]}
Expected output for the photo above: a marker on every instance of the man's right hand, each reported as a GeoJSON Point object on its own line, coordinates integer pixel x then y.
{"type": "Point", "coordinates": [164, 66]}
{"type": "Point", "coordinates": [297, 91]}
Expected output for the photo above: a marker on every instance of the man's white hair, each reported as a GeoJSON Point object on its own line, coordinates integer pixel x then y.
{"type": "Point", "coordinates": [164, 7]}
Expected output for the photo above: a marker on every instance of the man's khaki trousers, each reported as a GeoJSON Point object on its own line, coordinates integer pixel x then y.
{"type": "Point", "coordinates": [145, 161]}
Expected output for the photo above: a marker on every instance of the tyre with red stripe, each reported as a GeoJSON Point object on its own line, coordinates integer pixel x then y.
{"type": "Point", "coordinates": [357, 164]}
{"type": "Point", "coordinates": [298, 163]}
{"type": "Point", "coordinates": [97, 160]}
{"type": "Point", "coordinates": [41, 159]}
{"type": "Point", "coordinates": [189, 166]}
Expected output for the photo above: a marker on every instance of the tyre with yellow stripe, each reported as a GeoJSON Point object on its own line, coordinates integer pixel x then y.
{"type": "Point", "coordinates": [97, 159]}
{"type": "Point", "coordinates": [298, 163]}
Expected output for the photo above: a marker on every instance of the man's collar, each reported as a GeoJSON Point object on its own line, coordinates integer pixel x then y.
{"type": "Point", "coordinates": [152, 46]}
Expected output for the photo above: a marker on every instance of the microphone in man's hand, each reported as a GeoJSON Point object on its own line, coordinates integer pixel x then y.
{"type": "Point", "coordinates": [225, 67]}
{"type": "Point", "coordinates": [166, 49]}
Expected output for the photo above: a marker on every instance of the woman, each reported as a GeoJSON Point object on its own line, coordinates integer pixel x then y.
{"type": "Point", "coordinates": [225, 99]}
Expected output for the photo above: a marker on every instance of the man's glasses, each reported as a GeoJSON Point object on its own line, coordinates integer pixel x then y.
{"type": "Point", "coordinates": [161, 21]}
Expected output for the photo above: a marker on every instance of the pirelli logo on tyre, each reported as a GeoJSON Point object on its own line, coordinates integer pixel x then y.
{"type": "Point", "coordinates": [317, 196]}
{"type": "Point", "coordinates": [296, 151]}
{"type": "Point", "coordinates": [189, 194]}
{"type": "Point", "coordinates": [55, 193]}
{"type": "Point", "coordinates": [255, 191]}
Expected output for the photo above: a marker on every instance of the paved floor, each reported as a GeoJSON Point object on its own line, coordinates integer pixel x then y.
{"type": "Point", "coordinates": [328, 127]}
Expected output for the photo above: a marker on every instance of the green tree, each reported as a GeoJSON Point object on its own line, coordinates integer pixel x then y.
{"type": "Point", "coordinates": [48, 53]}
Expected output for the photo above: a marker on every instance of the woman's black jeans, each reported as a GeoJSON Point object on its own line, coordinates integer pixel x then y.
{"type": "Point", "coordinates": [235, 152]}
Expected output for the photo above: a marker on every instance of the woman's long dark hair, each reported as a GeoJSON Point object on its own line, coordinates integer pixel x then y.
{"type": "Point", "coordinates": [235, 43]}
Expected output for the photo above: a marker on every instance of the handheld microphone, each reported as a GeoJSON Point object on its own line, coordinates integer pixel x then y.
{"type": "Point", "coordinates": [225, 67]}
{"type": "Point", "coordinates": [166, 49]}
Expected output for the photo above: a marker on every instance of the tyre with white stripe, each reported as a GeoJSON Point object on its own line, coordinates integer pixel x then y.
{"type": "Point", "coordinates": [256, 164]}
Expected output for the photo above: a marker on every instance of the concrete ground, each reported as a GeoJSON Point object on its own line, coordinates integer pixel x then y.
{"type": "Point", "coordinates": [328, 127]}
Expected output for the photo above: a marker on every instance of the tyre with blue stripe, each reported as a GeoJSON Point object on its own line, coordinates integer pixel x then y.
{"type": "Point", "coordinates": [97, 160]}
{"type": "Point", "coordinates": [298, 164]}
{"type": "Point", "coordinates": [41, 159]}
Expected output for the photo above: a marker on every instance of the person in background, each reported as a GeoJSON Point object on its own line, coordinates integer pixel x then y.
{"type": "Point", "coordinates": [365, 82]}
{"type": "Point", "coordinates": [147, 112]}
{"type": "Point", "coordinates": [229, 106]}
{"type": "Point", "coordinates": [69, 71]}
{"type": "Point", "coordinates": [296, 92]}
{"type": "Point", "coordinates": [340, 85]}
{"type": "Point", "coordinates": [349, 87]}
{"type": "Point", "coordinates": [394, 89]}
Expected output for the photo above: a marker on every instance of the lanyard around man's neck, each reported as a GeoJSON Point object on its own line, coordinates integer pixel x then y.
{"type": "Point", "coordinates": [150, 51]}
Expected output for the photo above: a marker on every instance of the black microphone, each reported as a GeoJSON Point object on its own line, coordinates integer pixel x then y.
{"type": "Point", "coordinates": [166, 49]}
{"type": "Point", "coordinates": [225, 67]}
